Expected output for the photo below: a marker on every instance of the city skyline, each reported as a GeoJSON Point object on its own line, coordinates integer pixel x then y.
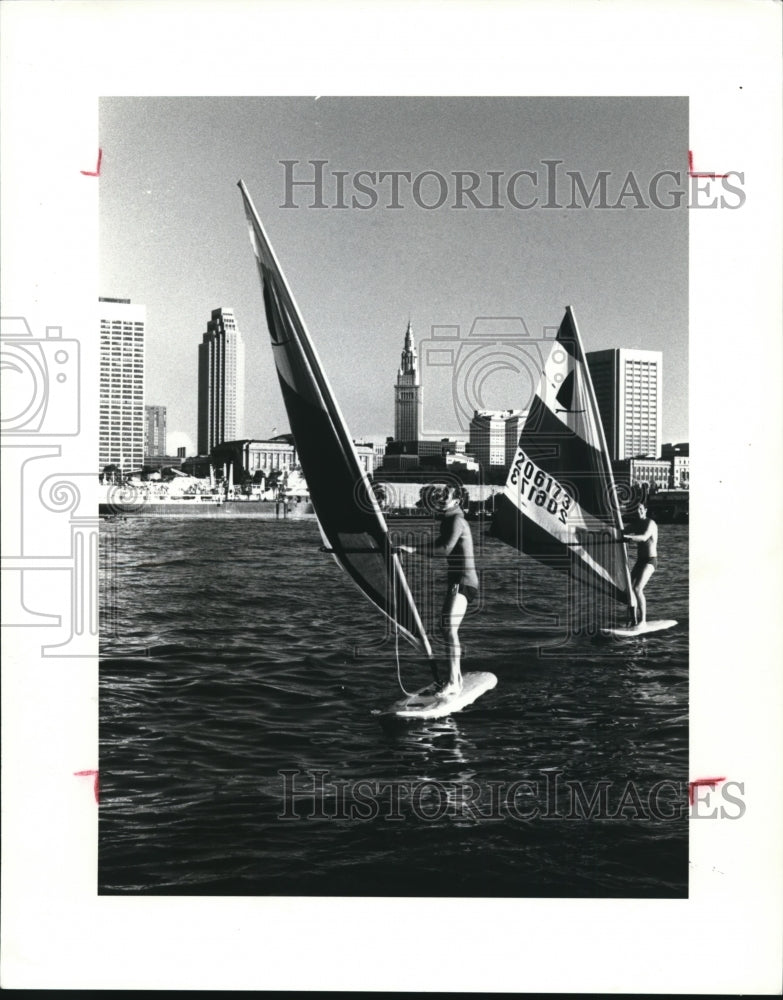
{"type": "Point", "coordinates": [359, 273]}
{"type": "Point", "coordinates": [610, 371]}
{"type": "Point", "coordinates": [627, 385]}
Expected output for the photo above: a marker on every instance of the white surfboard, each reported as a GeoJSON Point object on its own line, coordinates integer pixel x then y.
{"type": "Point", "coordinates": [635, 630]}
{"type": "Point", "coordinates": [425, 705]}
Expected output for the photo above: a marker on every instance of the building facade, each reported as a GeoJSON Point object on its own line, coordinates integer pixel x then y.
{"type": "Point", "coordinates": [681, 472]}
{"type": "Point", "coordinates": [246, 455]}
{"type": "Point", "coordinates": [489, 438]}
{"type": "Point", "coordinates": [461, 462]}
{"type": "Point", "coordinates": [679, 456]}
{"type": "Point", "coordinates": [628, 389]}
{"type": "Point", "coordinates": [674, 450]}
{"type": "Point", "coordinates": [158, 462]}
{"type": "Point", "coordinates": [649, 473]}
{"type": "Point", "coordinates": [121, 399]}
{"type": "Point", "coordinates": [407, 393]}
{"type": "Point", "coordinates": [221, 382]}
{"type": "Point", "coordinates": [365, 452]}
{"type": "Point", "coordinates": [154, 431]}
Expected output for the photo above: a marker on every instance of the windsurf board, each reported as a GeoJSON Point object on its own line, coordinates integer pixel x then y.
{"type": "Point", "coordinates": [425, 704]}
{"type": "Point", "coordinates": [633, 631]}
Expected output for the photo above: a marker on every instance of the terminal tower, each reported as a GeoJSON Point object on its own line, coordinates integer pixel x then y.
{"type": "Point", "coordinates": [407, 394]}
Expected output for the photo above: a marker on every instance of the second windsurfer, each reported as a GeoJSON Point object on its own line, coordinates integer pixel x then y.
{"type": "Point", "coordinates": [645, 533]}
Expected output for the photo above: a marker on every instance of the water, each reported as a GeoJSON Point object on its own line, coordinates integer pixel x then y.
{"type": "Point", "coordinates": [229, 656]}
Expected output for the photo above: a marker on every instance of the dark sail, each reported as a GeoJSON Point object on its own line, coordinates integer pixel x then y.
{"type": "Point", "coordinates": [348, 512]}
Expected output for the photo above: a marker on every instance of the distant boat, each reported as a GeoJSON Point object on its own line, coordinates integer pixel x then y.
{"type": "Point", "coordinates": [560, 502]}
{"type": "Point", "coordinates": [349, 515]}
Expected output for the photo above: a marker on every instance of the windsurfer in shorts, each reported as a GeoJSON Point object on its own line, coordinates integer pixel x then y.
{"type": "Point", "coordinates": [455, 543]}
{"type": "Point", "coordinates": [644, 531]}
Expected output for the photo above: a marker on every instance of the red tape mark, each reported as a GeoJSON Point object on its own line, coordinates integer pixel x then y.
{"type": "Point", "coordinates": [693, 785]}
{"type": "Point", "coordinates": [97, 171]}
{"type": "Point", "coordinates": [692, 172]}
{"type": "Point", "coordinates": [96, 786]}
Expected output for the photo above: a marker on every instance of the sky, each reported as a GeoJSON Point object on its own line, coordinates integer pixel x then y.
{"type": "Point", "coordinates": [173, 237]}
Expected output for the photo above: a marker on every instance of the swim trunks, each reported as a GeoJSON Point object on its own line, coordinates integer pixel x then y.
{"type": "Point", "coordinates": [470, 593]}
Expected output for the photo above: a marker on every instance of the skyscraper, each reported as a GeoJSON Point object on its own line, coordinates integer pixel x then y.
{"type": "Point", "coordinates": [154, 430]}
{"type": "Point", "coordinates": [628, 390]}
{"type": "Point", "coordinates": [221, 382]}
{"type": "Point", "coordinates": [121, 406]}
{"type": "Point", "coordinates": [493, 437]}
{"type": "Point", "coordinates": [407, 394]}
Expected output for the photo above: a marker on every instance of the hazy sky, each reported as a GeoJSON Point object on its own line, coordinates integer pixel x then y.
{"type": "Point", "coordinates": [173, 237]}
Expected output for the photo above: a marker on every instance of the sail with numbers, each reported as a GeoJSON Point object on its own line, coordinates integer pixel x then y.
{"type": "Point", "coordinates": [560, 502]}
{"type": "Point", "coordinates": [348, 512]}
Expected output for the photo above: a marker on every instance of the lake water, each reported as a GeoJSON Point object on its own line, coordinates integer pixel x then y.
{"type": "Point", "coordinates": [239, 752]}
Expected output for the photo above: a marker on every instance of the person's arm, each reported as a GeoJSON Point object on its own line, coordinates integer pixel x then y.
{"type": "Point", "coordinates": [441, 546]}
{"type": "Point", "coordinates": [641, 538]}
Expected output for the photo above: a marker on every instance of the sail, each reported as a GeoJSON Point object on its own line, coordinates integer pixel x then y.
{"type": "Point", "coordinates": [559, 503]}
{"type": "Point", "coordinates": [348, 513]}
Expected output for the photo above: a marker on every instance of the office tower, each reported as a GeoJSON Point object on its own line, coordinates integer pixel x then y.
{"type": "Point", "coordinates": [490, 444]}
{"type": "Point", "coordinates": [514, 424]}
{"type": "Point", "coordinates": [154, 430]}
{"type": "Point", "coordinates": [121, 432]}
{"type": "Point", "coordinates": [628, 390]}
{"type": "Point", "coordinates": [407, 394]}
{"type": "Point", "coordinates": [221, 382]}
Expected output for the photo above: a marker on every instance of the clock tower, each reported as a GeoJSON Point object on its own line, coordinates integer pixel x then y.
{"type": "Point", "coordinates": [407, 394]}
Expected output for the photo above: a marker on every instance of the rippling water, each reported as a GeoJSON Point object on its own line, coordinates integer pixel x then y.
{"type": "Point", "coordinates": [239, 752]}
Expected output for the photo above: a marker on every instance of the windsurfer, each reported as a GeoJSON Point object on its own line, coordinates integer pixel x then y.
{"type": "Point", "coordinates": [455, 543]}
{"type": "Point", "coordinates": [644, 531]}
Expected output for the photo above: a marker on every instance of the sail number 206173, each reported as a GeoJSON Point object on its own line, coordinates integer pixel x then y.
{"type": "Point", "coordinates": [539, 487]}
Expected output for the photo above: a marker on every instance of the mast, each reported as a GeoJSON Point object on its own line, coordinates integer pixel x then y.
{"type": "Point", "coordinates": [615, 507]}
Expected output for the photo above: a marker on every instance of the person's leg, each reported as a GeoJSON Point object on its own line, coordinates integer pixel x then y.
{"type": "Point", "coordinates": [633, 610]}
{"type": "Point", "coordinates": [641, 582]}
{"type": "Point", "coordinates": [453, 612]}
